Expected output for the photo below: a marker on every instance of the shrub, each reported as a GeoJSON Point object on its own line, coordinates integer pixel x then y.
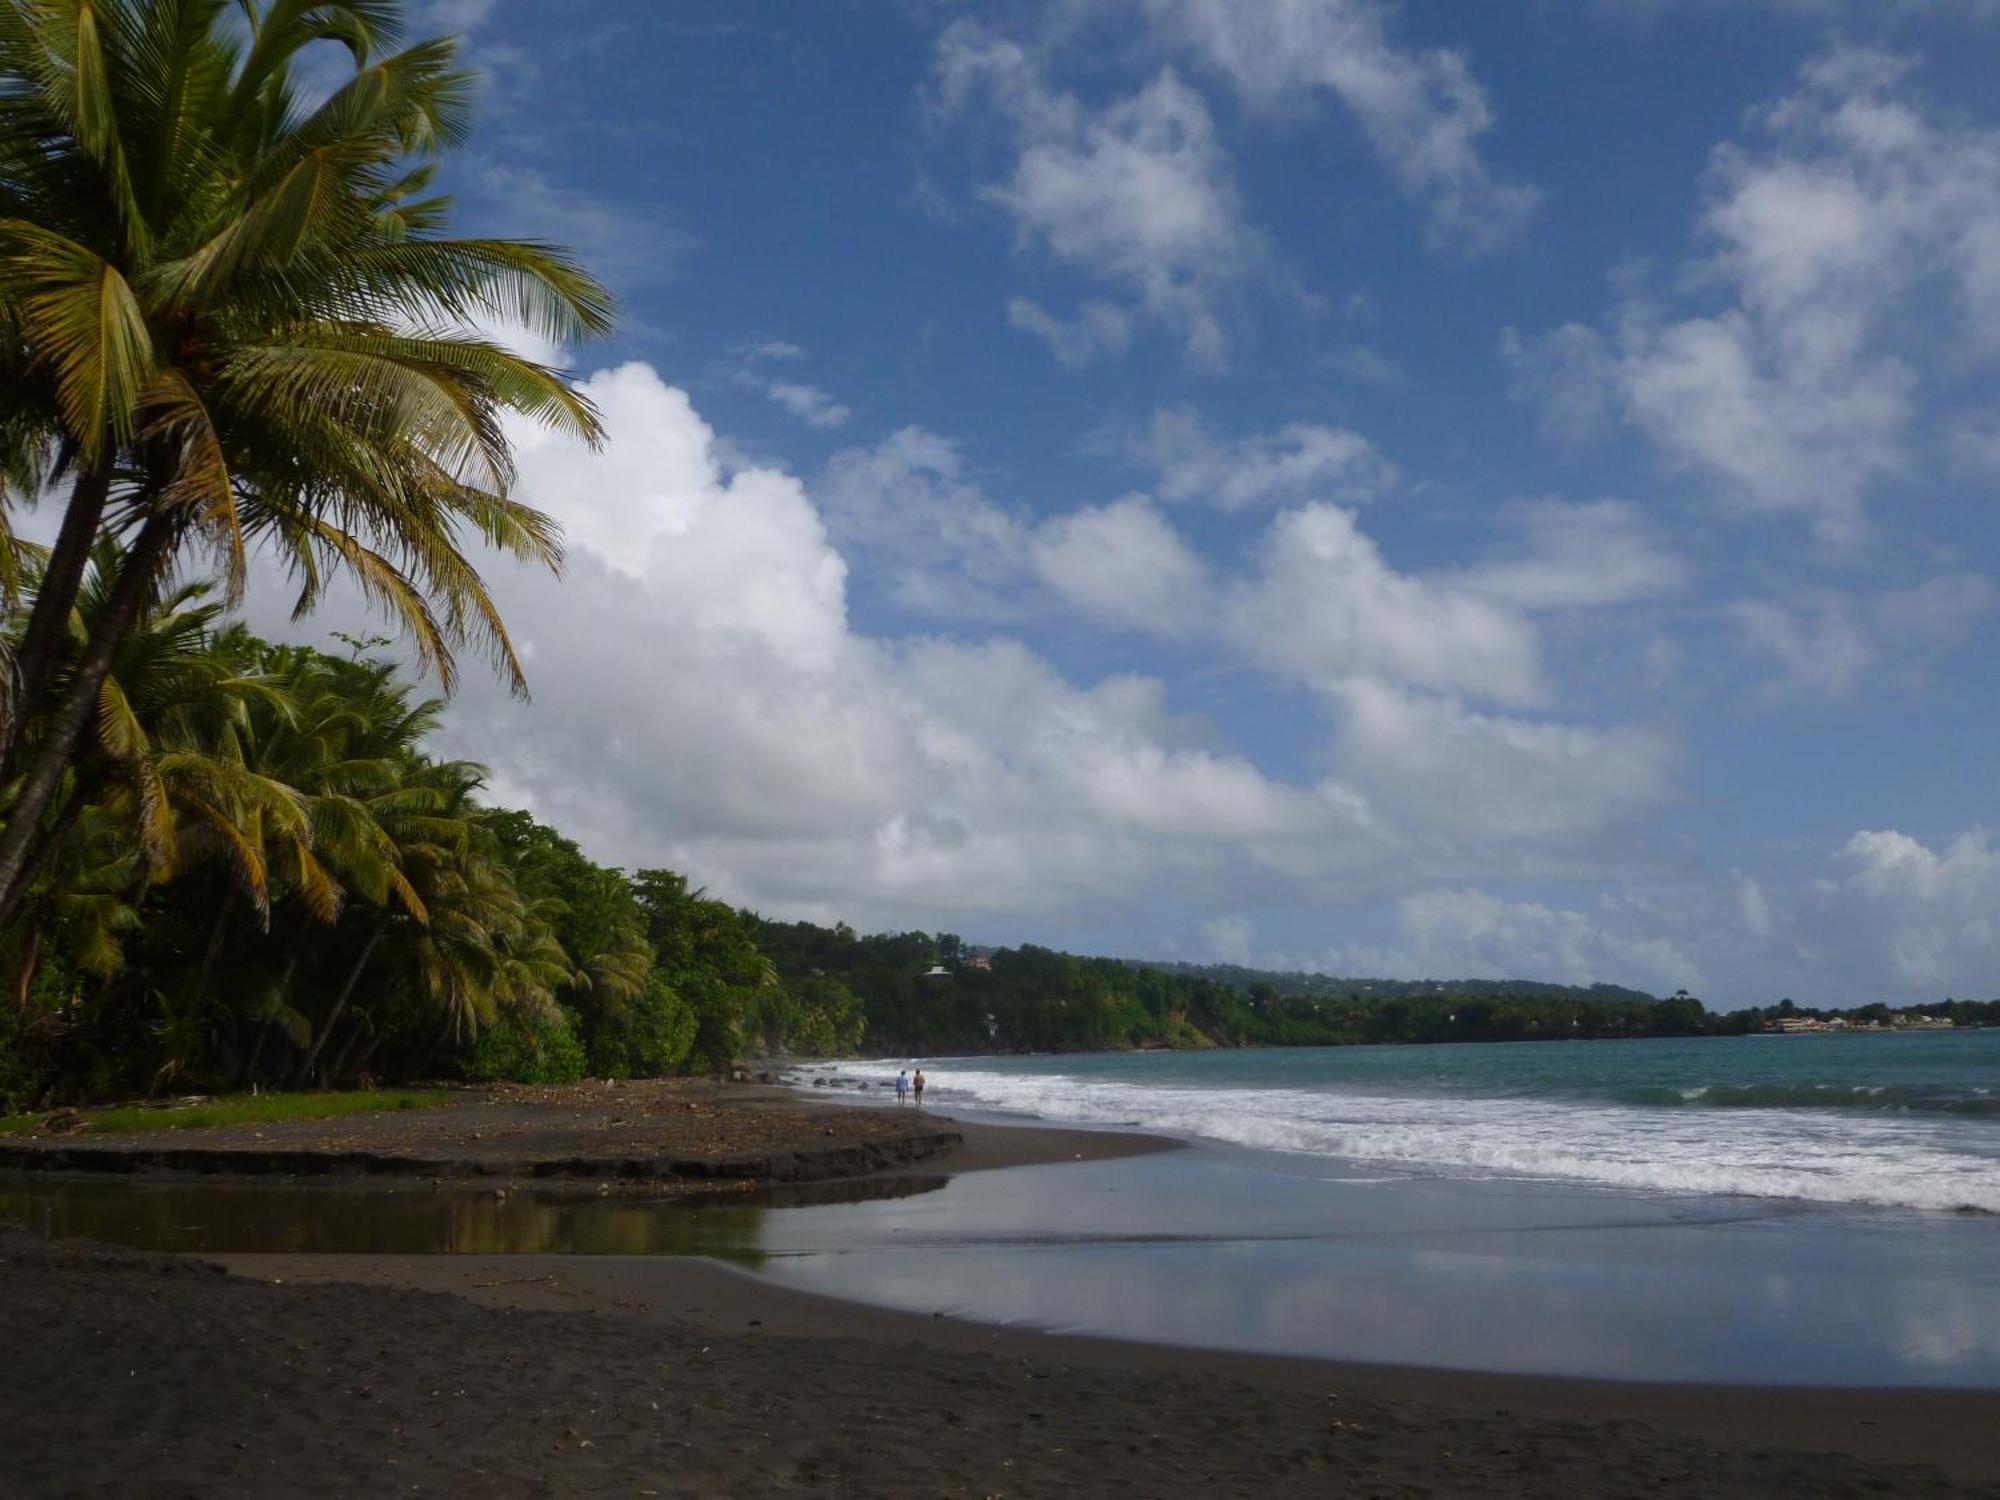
{"type": "Point", "coordinates": [521, 1049]}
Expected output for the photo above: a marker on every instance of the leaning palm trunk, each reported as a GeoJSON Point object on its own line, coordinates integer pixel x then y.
{"type": "Point", "coordinates": [337, 1069]}
{"type": "Point", "coordinates": [53, 752]}
{"type": "Point", "coordinates": [60, 827]}
{"type": "Point", "coordinates": [24, 977]}
{"type": "Point", "coordinates": [55, 596]}
{"type": "Point", "coordinates": [305, 1073]}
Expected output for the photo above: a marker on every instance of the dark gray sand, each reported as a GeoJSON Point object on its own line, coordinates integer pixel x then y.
{"type": "Point", "coordinates": [668, 1134]}
{"type": "Point", "coordinates": [137, 1375]}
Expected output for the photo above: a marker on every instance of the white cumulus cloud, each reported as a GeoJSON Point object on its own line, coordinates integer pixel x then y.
{"type": "Point", "coordinates": [1848, 211]}
{"type": "Point", "coordinates": [1123, 563]}
{"type": "Point", "coordinates": [1324, 606]}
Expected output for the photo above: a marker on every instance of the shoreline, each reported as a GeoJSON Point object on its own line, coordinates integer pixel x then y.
{"type": "Point", "coordinates": [981, 1409]}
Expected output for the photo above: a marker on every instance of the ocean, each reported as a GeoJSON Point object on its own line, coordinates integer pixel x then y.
{"type": "Point", "coordinates": [1908, 1121]}
{"type": "Point", "coordinates": [1791, 1210]}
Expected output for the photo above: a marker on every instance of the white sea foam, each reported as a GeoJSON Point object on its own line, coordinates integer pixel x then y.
{"type": "Point", "coordinates": [1895, 1161]}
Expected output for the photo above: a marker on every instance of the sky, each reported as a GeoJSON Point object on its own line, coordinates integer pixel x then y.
{"type": "Point", "coordinates": [1398, 489]}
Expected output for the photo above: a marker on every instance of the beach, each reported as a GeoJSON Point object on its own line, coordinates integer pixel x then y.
{"type": "Point", "coordinates": [554, 1374]}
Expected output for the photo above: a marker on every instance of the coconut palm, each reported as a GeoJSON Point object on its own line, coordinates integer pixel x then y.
{"type": "Point", "coordinates": [428, 816]}
{"type": "Point", "coordinates": [160, 764]}
{"type": "Point", "coordinates": [342, 745]}
{"type": "Point", "coordinates": [487, 952]}
{"type": "Point", "coordinates": [229, 318]}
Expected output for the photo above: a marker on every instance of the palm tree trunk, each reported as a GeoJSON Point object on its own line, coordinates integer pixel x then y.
{"type": "Point", "coordinates": [197, 983]}
{"type": "Point", "coordinates": [362, 1026]}
{"type": "Point", "coordinates": [212, 950]}
{"type": "Point", "coordinates": [264, 1024]}
{"type": "Point", "coordinates": [48, 622]}
{"type": "Point", "coordinates": [305, 1072]}
{"type": "Point", "coordinates": [24, 978]}
{"type": "Point", "coordinates": [72, 808]}
{"type": "Point", "coordinates": [431, 1052]}
{"type": "Point", "coordinates": [58, 743]}
{"type": "Point", "coordinates": [367, 1052]}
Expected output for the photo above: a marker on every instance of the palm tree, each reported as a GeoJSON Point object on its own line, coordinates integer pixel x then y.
{"type": "Point", "coordinates": [228, 318]}
{"type": "Point", "coordinates": [160, 763]}
{"type": "Point", "coordinates": [428, 817]}
{"type": "Point", "coordinates": [487, 951]}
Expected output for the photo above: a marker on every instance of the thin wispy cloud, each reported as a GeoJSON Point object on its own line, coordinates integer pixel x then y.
{"type": "Point", "coordinates": [1422, 110]}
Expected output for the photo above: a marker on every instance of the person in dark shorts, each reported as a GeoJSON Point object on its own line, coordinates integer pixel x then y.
{"type": "Point", "coordinates": [917, 1084]}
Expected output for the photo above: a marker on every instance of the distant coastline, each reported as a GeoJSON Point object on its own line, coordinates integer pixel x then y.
{"type": "Point", "coordinates": [921, 994]}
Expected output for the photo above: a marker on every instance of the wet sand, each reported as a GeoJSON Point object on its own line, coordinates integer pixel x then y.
{"type": "Point", "coordinates": [571, 1375]}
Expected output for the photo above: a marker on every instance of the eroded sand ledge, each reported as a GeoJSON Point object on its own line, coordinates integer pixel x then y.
{"type": "Point", "coordinates": [671, 1133]}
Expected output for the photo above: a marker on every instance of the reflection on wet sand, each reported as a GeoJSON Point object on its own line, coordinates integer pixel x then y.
{"type": "Point", "coordinates": [328, 1220]}
{"type": "Point", "coordinates": [1234, 1250]}
{"type": "Point", "coordinates": [1222, 1249]}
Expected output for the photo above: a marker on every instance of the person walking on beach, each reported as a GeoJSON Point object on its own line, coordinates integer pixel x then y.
{"type": "Point", "coordinates": [918, 1084]}
{"type": "Point", "coordinates": [903, 1087]}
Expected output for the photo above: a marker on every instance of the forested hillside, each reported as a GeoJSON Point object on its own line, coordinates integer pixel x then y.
{"type": "Point", "coordinates": [1293, 983]}
{"type": "Point", "coordinates": [1034, 999]}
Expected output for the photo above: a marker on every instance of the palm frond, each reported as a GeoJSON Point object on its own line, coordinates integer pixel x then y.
{"type": "Point", "coordinates": [80, 312]}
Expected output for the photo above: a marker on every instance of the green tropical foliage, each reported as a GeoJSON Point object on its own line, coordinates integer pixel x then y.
{"type": "Point", "coordinates": [261, 874]}
{"type": "Point", "coordinates": [231, 316]}
{"type": "Point", "coordinates": [1031, 999]}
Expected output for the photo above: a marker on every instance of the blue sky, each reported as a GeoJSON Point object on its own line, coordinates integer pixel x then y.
{"type": "Point", "coordinates": [1409, 489]}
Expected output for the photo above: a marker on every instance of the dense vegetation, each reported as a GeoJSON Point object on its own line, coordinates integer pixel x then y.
{"type": "Point", "coordinates": [230, 319]}
{"type": "Point", "coordinates": [1294, 984]}
{"type": "Point", "coordinates": [260, 875]}
{"type": "Point", "coordinates": [1033, 999]}
{"type": "Point", "coordinates": [1954, 1011]}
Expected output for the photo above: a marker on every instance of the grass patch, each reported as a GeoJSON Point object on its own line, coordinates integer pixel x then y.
{"type": "Point", "coordinates": [236, 1109]}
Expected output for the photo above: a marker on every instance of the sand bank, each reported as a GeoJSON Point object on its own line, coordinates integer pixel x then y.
{"type": "Point", "coordinates": [670, 1134]}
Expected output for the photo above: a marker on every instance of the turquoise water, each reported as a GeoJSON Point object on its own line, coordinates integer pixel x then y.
{"type": "Point", "coordinates": [1902, 1121]}
{"type": "Point", "coordinates": [1952, 1072]}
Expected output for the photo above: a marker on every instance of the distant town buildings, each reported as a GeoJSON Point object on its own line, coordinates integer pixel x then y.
{"type": "Point", "coordinates": [966, 960]}
{"type": "Point", "coordinates": [1791, 1025]}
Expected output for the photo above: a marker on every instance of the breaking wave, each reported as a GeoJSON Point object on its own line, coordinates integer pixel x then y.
{"type": "Point", "coordinates": [1907, 1147]}
{"type": "Point", "coordinates": [1920, 1098]}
